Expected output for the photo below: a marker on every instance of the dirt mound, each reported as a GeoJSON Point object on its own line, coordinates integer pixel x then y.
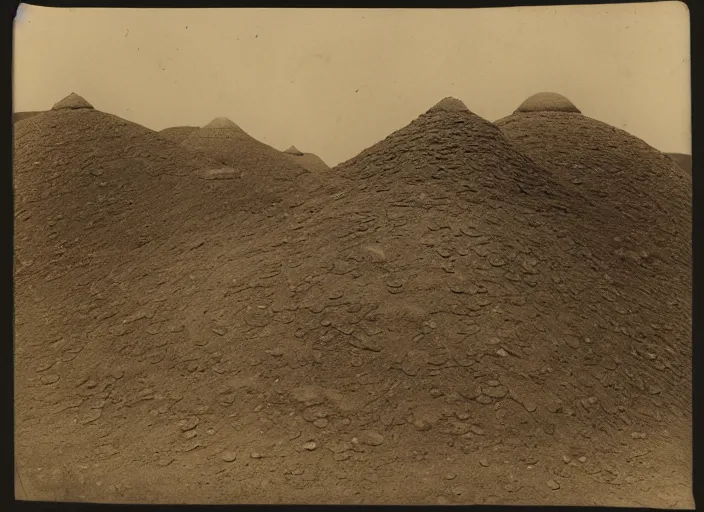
{"type": "Point", "coordinates": [684, 161]}
{"type": "Point", "coordinates": [226, 142]}
{"type": "Point", "coordinates": [636, 193]}
{"type": "Point", "coordinates": [293, 150]}
{"type": "Point", "coordinates": [72, 102]}
{"type": "Point", "coordinates": [19, 116]}
{"type": "Point", "coordinates": [308, 161]}
{"type": "Point", "coordinates": [547, 102]}
{"type": "Point", "coordinates": [439, 317]}
{"type": "Point", "coordinates": [178, 133]}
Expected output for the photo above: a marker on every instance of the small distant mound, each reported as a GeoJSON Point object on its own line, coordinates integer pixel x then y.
{"type": "Point", "coordinates": [684, 161]}
{"type": "Point", "coordinates": [221, 122]}
{"type": "Point", "coordinates": [308, 161]}
{"type": "Point", "coordinates": [223, 140]}
{"type": "Point", "coordinates": [72, 102]}
{"type": "Point", "coordinates": [547, 102]}
{"type": "Point", "coordinates": [19, 116]}
{"type": "Point", "coordinates": [177, 133]}
{"type": "Point", "coordinates": [450, 104]}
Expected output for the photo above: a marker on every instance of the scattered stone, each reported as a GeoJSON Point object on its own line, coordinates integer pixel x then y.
{"type": "Point", "coordinates": [477, 430]}
{"type": "Point", "coordinates": [190, 434]}
{"type": "Point", "coordinates": [321, 422]}
{"type": "Point", "coordinates": [553, 485]}
{"type": "Point", "coordinates": [450, 476]}
{"type": "Point", "coordinates": [310, 446]}
{"type": "Point", "coordinates": [189, 423]}
{"type": "Point", "coordinates": [435, 393]}
{"type": "Point", "coordinates": [582, 459]}
{"type": "Point", "coordinates": [484, 463]}
{"type": "Point", "coordinates": [342, 456]}
{"type": "Point", "coordinates": [422, 425]}
{"type": "Point", "coordinates": [501, 352]}
{"type": "Point", "coordinates": [638, 435]}
{"type": "Point", "coordinates": [459, 490]}
{"type": "Point", "coordinates": [256, 455]}
{"type": "Point", "coordinates": [495, 392]}
{"type": "Point", "coordinates": [228, 456]}
{"type": "Point", "coordinates": [49, 379]}
{"type": "Point", "coordinates": [371, 438]}
{"type": "Point", "coordinates": [210, 431]}
{"type": "Point", "coordinates": [484, 399]}
{"type": "Point", "coordinates": [566, 459]}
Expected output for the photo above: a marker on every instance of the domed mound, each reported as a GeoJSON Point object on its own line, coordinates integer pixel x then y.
{"type": "Point", "coordinates": [547, 102]}
{"type": "Point", "coordinates": [308, 161]}
{"type": "Point", "coordinates": [71, 102]}
{"type": "Point", "coordinates": [177, 133]}
{"type": "Point", "coordinates": [639, 210]}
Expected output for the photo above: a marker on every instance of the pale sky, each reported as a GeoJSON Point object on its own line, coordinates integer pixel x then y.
{"type": "Point", "coordinates": [335, 81]}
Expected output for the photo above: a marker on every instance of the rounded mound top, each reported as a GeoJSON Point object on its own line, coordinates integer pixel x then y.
{"type": "Point", "coordinates": [548, 102]}
{"type": "Point", "coordinates": [451, 105]}
{"type": "Point", "coordinates": [293, 150]}
{"type": "Point", "coordinates": [221, 122]}
{"type": "Point", "coordinates": [72, 101]}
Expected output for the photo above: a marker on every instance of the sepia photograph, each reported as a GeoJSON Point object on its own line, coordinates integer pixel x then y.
{"type": "Point", "coordinates": [353, 256]}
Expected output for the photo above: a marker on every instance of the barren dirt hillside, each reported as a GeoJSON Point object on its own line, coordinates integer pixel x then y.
{"type": "Point", "coordinates": [433, 324]}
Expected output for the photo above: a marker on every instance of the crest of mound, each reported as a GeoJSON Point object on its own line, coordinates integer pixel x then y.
{"type": "Point", "coordinates": [220, 123]}
{"type": "Point", "coordinates": [548, 102]}
{"type": "Point", "coordinates": [177, 133]}
{"type": "Point", "coordinates": [308, 161]}
{"type": "Point", "coordinates": [450, 104]}
{"type": "Point", "coordinates": [452, 144]}
{"type": "Point", "coordinates": [71, 102]}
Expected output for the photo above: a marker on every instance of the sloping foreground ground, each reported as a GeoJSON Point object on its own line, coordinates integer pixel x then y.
{"type": "Point", "coordinates": [436, 330]}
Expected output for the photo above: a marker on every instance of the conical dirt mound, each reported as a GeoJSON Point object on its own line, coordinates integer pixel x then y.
{"type": "Point", "coordinates": [177, 134]}
{"type": "Point", "coordinates": [440, 318]}
{"type": "Point", "coordinates": [548, 102]}
{"type": "Point", "coordinates": [293, 151]}
{"type": "Point", "coordinates": [71, 102]}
